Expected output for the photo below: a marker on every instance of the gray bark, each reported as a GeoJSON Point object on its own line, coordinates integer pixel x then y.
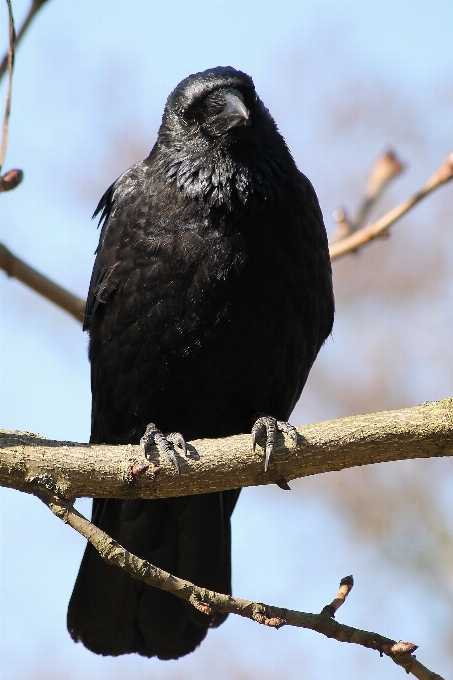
{"type": "Point", "coordinates": [29, 462]}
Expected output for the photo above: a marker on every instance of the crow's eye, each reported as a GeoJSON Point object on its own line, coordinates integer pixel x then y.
{"type": "Point", "coordinates": [188, 118]}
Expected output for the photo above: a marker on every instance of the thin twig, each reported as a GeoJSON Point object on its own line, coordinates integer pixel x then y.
{"type": "Point", "coordinates": [343, 225]}
{"type": "Point", "coordinates": [346, 586]}
{"type": "Point", "coordinates": [208, 601]}
{"type": "Point", "coordinates": [16, 267]}
{"type": "Point", "coordinates": [10, 65]}
{"type": "Point", "coordinates": [387, 167]}
{"type": "Point", "coordinates": [384, 169]}
{"type": "Point", "coordinates": [362, 236]}
{"type": "Point", "coordinates": [34, 8]}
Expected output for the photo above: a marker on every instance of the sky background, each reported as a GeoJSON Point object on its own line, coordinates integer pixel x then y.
{"type": "Point", "coordinates": [91, 81]}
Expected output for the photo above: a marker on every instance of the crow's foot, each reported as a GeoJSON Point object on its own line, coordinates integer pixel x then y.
{"type": "Point", "coordinates": [269, 426]}
{"type": "Point", "coordinates": [164, 443]}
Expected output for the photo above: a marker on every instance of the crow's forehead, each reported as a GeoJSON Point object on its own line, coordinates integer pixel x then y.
{"type": "Point", "coordinates": [200, 84]}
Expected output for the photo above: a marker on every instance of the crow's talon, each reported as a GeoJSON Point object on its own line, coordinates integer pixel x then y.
{"type": "Point", "coordinates": [288, 429]}
{"type": "Point", "coordinates": [163, 442]}
{"type": "Point", "coordinates": [269, 426]}
{"type": "Point", "coordinates": [177, 439]}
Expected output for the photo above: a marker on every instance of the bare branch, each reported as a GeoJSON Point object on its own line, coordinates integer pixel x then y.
{"type": "Point", "coordinates": [208, 601]}
{"type": "Point", "coordinates": [343, 225]}
{"type": "Point", "coordinates": [351, 243]}
{"type": "Point", "coordinates": [30, 463]}
{"type": "Point", "coordinates": [385, 168]}
{"type": "Point", "coordinates": [10, 66]}
{"type": "Point", "coordinates": [34, 8]}
{"type": "Point", "coordinates": [346, 585]}
{"type": "Point", "coordinates": [16, 267]}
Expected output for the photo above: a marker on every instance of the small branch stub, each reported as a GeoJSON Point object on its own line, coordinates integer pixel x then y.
{"type": "Point", "coordinates": [346, 586]}
{"type": "Point", "coordinates": [11, 179]}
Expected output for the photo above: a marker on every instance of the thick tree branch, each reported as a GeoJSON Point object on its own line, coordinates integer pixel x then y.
{"type": "Point", "coordinates": [58, 471]}
{"type": "Point", "coordinates": [31, 463]}
{"type": "Point", "coordinates": [207, 601]}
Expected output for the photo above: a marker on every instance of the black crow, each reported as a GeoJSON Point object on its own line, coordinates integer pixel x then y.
{"type": "Point", "coordinates": [210, 298]}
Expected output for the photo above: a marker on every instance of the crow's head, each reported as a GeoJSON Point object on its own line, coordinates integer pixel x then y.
{"type": "Point", "coordinates": [210, 104]}
{"type": "Point", "coordinates": [217, 139]}
{"type": "Point", "coordinates": [215, 109]}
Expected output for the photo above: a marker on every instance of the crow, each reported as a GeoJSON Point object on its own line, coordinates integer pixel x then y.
{"type": "Point", "coordinates": [210, 297]}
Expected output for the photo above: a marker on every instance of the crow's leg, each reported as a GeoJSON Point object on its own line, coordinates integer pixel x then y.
{"type": "Point", "coordinates": [269, 426]}
{"type": "Point", "coordinates": [164, 443]}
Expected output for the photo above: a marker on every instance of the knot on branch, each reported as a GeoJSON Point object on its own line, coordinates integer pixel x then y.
{"type": "Point", "coordinates": [200, 605]}
{"type": "Point", "coordinates": [398, 648]}
{"type": "Point", "coordinates": [136, 470]}
{"type": "Point", "coordinates": [260, 616]}
{"type": "Point", "coordinates": [400, 652]}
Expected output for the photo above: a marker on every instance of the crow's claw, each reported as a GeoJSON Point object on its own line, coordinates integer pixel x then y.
{"type": "Point", "coordinates": [287, 429]}
{"type": "Point", "coordinates": [269, 426]}
{"type": "Point", "coordinates": [177, 439]}
{"type": "Point", "coordinates": [163, 442]}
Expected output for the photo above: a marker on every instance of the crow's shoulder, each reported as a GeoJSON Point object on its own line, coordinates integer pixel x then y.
{"type": "Point", "coordinates": [122, 205]}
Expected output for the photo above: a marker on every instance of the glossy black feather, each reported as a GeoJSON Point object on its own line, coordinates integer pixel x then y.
{"type": "Point", "coordinates": [210, 298]}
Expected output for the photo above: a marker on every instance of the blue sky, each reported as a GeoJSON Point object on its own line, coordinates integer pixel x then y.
{"type": "Point", "coordinates": [89, 75]}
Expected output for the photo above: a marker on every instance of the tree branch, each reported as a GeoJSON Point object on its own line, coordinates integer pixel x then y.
{"type": "Point", "coordinates": [58, 471]}
{"type": "Point", "coordinates": [31, 463]}
{"type": "Point", "coordinates": [208, 601]}
{"type": "Point", "coordinates": [10, 66]}
{"type": "Point", "coordinates": [34, 8]}
{"type": "Point", "coordinates": [16, 267]}
{"type": "Point", "coordinates": [351, 243]}
{"type": "Point", "coordinates": [384, 169]}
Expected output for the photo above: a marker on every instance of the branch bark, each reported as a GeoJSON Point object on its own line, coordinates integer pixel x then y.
{"type": "Point", "coordinates": [58, 472]}
{"type": "Point", "coordinates": [10, 67]}
{"type": "Point", "coordinates": [385, 168]}
{"type": "Point", "coordinates": [32, 463]}
{"type": "Point", "coordinates": [207, 601]}
{"type": "Point", "coordinates": [22, 271]}
{"type": "Point", "coordinates": [34, 8]}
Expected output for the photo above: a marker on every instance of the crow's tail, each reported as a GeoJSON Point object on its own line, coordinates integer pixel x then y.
{"type": "Point", "coordinates": [112, 613]}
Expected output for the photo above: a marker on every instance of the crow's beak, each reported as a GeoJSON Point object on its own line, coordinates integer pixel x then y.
{"type": "Point", "coordinates": [233, 115]}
